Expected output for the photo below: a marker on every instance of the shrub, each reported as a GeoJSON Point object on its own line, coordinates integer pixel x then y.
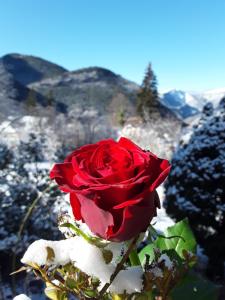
{"type": "Point", "coordinates": [196, 185]}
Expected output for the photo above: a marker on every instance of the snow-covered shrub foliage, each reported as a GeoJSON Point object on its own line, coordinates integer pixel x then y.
{"type": "Point", "coordinates": [24, 174]}
{"type": "Point", "coordinates": [158, 137]}
{"type": "Point", "coordinates": [196, 185]}
{"type": "Point", "coordinates": [5, 156]}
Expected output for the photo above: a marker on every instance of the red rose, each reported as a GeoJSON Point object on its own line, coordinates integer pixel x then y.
{"type": "Point", "coordinates": [112, 187]}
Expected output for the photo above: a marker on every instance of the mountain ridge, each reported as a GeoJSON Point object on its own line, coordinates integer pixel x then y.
{"type": "Point", "coordinates": [94, 86]}
{"type": "Point", "coordinates": [91, 87]}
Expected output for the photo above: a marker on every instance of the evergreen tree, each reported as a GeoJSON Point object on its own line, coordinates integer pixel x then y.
{"type": "Point", "coordinates": [195, 187]}
{"type": "Point", "coordinates": [147, 98]}
{"type": "Point", "coordinates": [121, 117]}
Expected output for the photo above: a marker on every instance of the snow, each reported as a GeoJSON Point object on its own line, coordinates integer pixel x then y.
{"type": "Point", "coordinates": [88, 258]}
{"type": "Point", "coordinates": [37, 253]}
{"type": "Point", "coordinates": [162, 221]}
{"type": "Point", "coordinates": [21, 297]}
{"type": "Point", "coordinates": [186, 104]}
{"type": "Point", "coordinates": [214, 95]}
{"type": "Point", "coordinates": [156, 272]}
{"type": "Point", "coordinates": [130, 280]}
{"type": "Point", "coordinates": [167, 262]}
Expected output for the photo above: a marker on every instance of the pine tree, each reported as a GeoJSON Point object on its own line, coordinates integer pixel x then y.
{"type": "Point", "coordinates": [147, 97]}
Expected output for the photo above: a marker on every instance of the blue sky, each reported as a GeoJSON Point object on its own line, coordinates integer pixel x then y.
{"type": "Point", "coordinates": [184, 39]}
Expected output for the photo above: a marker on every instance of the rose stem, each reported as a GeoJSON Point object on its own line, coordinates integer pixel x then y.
{"type": "Point", "coordinates": [119, 266]}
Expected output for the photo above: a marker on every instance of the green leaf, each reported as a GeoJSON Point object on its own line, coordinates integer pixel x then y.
{"type": "Point", "coordinates": [70, 283]}
{"type": "Point", "coordinates": [90, 293]}
{"type": "Point", "coordinates": [147, 250]}
{"type": "Point", "coordinates": [195, 288]}
{"type": "Point", "coordinates": [143, 296]}
{"type": "Point", "coordinates": [178, 237]}
{"type": "Point", "coordinates": [55, 294]}
{"type": "Point", "coordinates": [186, 242]}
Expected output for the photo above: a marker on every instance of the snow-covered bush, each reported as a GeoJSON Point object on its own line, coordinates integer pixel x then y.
{"type": "Point", "coordinates": [196, 185]}
{"type": "Point", "coordinates": [158, 136]}
{"type": "Point", "coordinates": [24, 175]}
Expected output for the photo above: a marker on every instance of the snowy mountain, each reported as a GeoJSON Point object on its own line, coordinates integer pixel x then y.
{"type": "Point", "coordinates": [213, 96]}
{"type": "Point", "coordinates": [182, 103]}
{"type": "Point", "coordinates": [187, 104]}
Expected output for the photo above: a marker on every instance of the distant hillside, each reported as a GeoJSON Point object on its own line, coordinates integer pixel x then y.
{"type": "Point", "coordinates": [27, 69]}
{"type": "Point", "coordinates": [13, 94]}
{"type": "Point", "coordinates": [16, 72]}
{"type": "Point", "coordinates": [95, 87]}
{"type": "Point", "coordinates": [92, 87]}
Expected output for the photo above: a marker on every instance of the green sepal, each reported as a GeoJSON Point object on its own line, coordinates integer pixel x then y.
{"type": "Point", "coordinates": [100, 243]}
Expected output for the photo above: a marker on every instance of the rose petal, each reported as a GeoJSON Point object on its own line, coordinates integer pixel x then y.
{"type": "Point", "coordinates": [81, 152]}
{"type": "Point", "coordinates": [163, 171]}
{"type": "Point", "coordinates": [97, 219]}
{"type": "Point", "coordinates": [135, 220]}
{"type": "Point", "coordinates": [63, 174]}
{"type": "Point", "coordinates": [128, 144]}
{"type": "Point", "coordinates": [76, 207]}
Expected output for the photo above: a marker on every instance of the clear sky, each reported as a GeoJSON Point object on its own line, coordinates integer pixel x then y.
{"type": "Point", "coordinates": [184, 39]}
